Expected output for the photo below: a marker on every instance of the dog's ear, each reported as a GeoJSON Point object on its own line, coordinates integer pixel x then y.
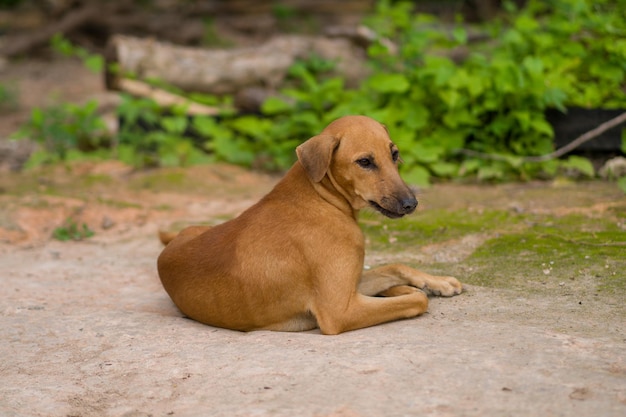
{"type": "Point", "coordinates": [315, 155]}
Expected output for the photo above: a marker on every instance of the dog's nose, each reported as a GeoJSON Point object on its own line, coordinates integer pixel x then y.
{"type": "Point", "coordinates": [409, 204]}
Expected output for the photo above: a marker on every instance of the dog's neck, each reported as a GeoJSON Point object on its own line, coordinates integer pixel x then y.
{"type": "Point", "coordinates": [328, 190]}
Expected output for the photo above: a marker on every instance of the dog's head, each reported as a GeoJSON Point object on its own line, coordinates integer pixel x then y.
{"type": "Point", "coordinates": [361, 163]}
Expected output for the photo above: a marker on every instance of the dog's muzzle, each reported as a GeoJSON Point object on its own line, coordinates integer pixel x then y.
{"type": "Point", "coordinates": [395, 208]}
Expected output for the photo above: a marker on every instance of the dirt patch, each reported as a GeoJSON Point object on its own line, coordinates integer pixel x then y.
{"type": "Point", "coordinates": [111, 199]}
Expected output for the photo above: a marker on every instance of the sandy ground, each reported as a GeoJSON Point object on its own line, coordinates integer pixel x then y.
{"type": "Point", "coordinates": [87, 330]}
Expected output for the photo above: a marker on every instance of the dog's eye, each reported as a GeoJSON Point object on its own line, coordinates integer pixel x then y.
{"type": "Point", "coordinates": [365, 163]}
{"type": "Point", "coordinates": [395, 155]}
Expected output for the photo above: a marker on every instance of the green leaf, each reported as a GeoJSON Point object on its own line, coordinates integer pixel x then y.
{"type": "Point", "coordinates": [469, 166]}
{"type": "Point", "coordinates": [233, 150]}
{"type": "Point", "coordinates": [477, 85]}
{"type": "Point", "coordinates": [450, 97]}
{"type": "Point", "coordinates": [514, 161]}
{"type": "Point", "coordinates": [512, 36]}
{"type": "Point", "coordinates": [61, 45]}
{"type": "Point", "coordinates": [490, 172]}
{"type": "Point", "coordinates": [275, 105]}
{"type": "Point", "coordinates": [550, 167]}
{"type": "Point", "coordinates": [555, 97]}
{"type": "Point", "coordinates": [444, 169]}
{"type": "Point", "coordinates": [460, 35]}
{"type": "Point", "coordinates": [252, 126]}
{"type": "Point", "coordinates": [416, 117]}
{"type": "Point", "coordinates": [37, 116]}
{"type": "Point", "coordinates": [427, 153]}
{"type": "Point", "coordinates": [416, 175]}
{"type": "Point", "coordinates": [459, 117]}
{"type": "Point", "coordinates": [580, 164]}
{"type": "Point", "coordinates": [542, 126]}
{"type": "Point", "coordinates": [205, 126]}
{"type": "Point", "coordinates": [533, 65]}
{"type": "Point", "coordinates": [307, 118]}
{"type": "Point", "coordinates": [451, 139]}
{"type": "Point", "coordinates": [208, 99]}
{"type": "Point", "coordinates": [94, 63]}
{"type": "Point", "coordinates": [523, 118]}
{"type": "Point", "coordinates": [175, 125]}
{"type": "Point", "coordinates": [388, 83]}
{"type": "Point", "coordinates": [525, 23]}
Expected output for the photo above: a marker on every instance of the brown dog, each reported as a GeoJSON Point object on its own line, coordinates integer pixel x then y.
{"type": "Point", "coordinates": [294, 260]}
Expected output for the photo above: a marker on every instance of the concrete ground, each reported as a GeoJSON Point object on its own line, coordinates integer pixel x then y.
{"type": "Point", "coordinates": [87, 330]}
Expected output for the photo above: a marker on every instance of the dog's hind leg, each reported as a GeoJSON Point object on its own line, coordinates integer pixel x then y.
{"type": "Point", "coordinates": [186, 234]}
{"type": "Point", "coordinates": [376, 281]}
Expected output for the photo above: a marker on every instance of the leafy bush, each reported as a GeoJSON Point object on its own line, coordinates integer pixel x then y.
{"type": "Point", "coordinates": [549, 55]}
{"type": "Point", "coordinates": [477, 116]}
{"type": "Point", "coordinates": [64, 130]}
{"type": "Point", "coordinates": [150, 135]}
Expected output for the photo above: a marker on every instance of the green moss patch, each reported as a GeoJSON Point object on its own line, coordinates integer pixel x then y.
{"type": "Point", "coordinates": [433, 226]}
{"type": "Point", "coordinates": [527, 251]}
{"type": "Point", "coordinates": [163, 180]}
{"type": "Point", "coordinates": [554, 251]}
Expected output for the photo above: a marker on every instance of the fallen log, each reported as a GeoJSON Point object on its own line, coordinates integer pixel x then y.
{"type": "Point", "coordinates": [218, 71]}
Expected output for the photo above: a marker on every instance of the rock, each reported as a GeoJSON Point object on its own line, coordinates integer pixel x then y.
{"type": "Point", "coordinates": [14, 154]}
{"type": "Point", "coordinates": [614, 168]}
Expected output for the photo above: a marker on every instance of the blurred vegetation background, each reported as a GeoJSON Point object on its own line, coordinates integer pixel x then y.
{"type": "Point", "coordinates": [469, 89]}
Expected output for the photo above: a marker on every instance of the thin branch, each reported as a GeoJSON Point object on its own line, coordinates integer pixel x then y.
{"type": "Point", "coordinates": [22, 43]}
{"type": "Point", "coordinates": [585, 137]}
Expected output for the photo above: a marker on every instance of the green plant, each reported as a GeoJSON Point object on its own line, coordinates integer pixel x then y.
{"type": "Point", "coordinates": [72, 231]}
{"type": "Point", "coordinates": [494, 101]}
{"type": "Point", "coordinates": [479, 116]}
{"type": "Point", "coordinates": [64, 131]}
{"type": "Point", "coordinates": [60, 44]}
{"type": "Point", "coordinates": [445, 115]}
{"type": "Point", "coordinates": [151, 135]}
{"type": "Point", "coordinates": [268, 141]}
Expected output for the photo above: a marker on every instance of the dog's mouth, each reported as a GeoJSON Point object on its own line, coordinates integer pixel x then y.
{"type": "Point", "coordinates": [384, 211]}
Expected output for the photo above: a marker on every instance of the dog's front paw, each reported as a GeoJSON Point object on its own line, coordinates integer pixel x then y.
{"type": "Point", "coordinates": [445, 286]}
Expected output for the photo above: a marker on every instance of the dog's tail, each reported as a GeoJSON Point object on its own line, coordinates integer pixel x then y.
{"type": "Point", "coordinates": [166, 237]}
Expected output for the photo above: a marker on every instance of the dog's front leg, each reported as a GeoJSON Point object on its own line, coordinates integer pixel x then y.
{"type": "Point", "coordinates": [377, 280]}
{"type": "Point", "coordinates": [338, 307]}
{"type": "Point", "coordinates": [364, 311]}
